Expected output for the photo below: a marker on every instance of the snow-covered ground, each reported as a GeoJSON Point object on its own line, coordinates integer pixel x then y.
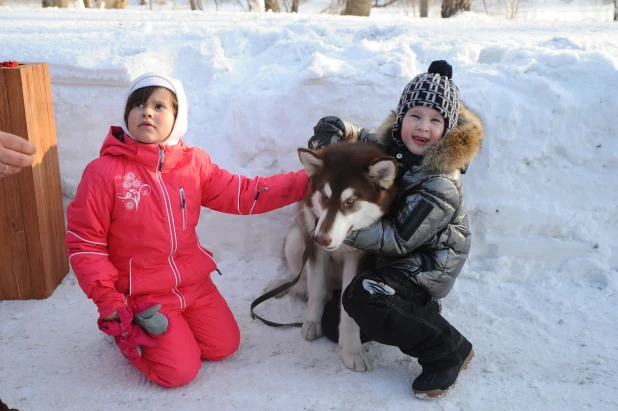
{"type": "Point", "coordinates": [538, 295]}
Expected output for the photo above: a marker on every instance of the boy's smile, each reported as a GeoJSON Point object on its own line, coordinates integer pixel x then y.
{"type": "Point", "coordinates": [421, 127]}
{"type": "Point", "coordinates": [421, 141]}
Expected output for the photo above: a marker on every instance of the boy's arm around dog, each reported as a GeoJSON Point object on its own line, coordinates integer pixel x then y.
{"type": "Point", "coordinates": [332, 129]}
{"type": "Point", "coordinates": [421, 212]}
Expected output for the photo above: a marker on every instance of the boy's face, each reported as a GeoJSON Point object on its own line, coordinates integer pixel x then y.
{"type": "Point", "coordinates": [152, 121]}
{"type": "Point", "coordinates": [421, 127]}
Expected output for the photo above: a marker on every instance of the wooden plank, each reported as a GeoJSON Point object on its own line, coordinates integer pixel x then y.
{"type": "Point", "coordinates": [15, 281]}
{"type": "Point", "coordinates": [60, 261]}
{"type": "Point", "coordinates": [39, 261]}
{"type": "Point", "coordinates": [14, 276]}
{"type": "Point", "coordinates": [50, 199]}
{"type": "Point", "coordinates": [47, 182]}
{"type": "Point", "coordinates": [34, 221]}
{"type": "Point", "coordinates": [11, 229]}
{"type": "Point", "coordinates": [41, 284]}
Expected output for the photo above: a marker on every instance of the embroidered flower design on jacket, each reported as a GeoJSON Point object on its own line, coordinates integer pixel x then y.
{"type": "Point", "coordinates": [133, 191]}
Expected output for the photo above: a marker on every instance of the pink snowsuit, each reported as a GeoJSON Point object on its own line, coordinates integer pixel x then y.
{"type": "Point", "coordinates": [131, 239]}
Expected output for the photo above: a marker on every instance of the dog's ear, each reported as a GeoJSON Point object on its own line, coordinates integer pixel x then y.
{"type": "Point", "coordinates": [310, 161]}
{"type": "Point", "coordinates": [383, 171]}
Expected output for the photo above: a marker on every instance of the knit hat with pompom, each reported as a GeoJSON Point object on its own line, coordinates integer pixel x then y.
{"type": "Point", "coordinates": [433, 89]}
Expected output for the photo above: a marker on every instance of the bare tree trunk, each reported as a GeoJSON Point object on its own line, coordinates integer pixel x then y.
{"type": "Point", "coordinates": [424, 8]}
{"type": "Point", "coordinates": [513, 9]}
{"type": "Point", "coordinates": [87, 4]}
{"type": "Point", "coordinates": [615, 10]}
{"type": "Point", "coordinates": [357, 8]}
{"type": "Point", "coordinates": [450, 7]}
{"type": "Point", "coordinates": [257, 6]}
{"type": "Point", "coordinates": [56, 3]}
{"type": "Point", "coordinates": [295, 6]}
{"type": "Point", "coordinates": [272, 5]}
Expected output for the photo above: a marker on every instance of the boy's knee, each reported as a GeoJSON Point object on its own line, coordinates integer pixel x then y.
{"type": "Point", "coordinates": [359, 289]}
{"type": "Point", "coordinates": [355, 295]}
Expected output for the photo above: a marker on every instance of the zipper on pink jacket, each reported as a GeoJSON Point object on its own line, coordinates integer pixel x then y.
{"type": "Point", "coordinates": [170, 216]}
{"type": "Point", "coordinates": [257, 195]}
{"type": "Point", "coordinates": [183, 205]}
{"type": "Point", "coordinates": [161, 159]}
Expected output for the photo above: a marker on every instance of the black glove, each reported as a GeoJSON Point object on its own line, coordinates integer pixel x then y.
{"type": "Point", "coordinates": [329, 130]}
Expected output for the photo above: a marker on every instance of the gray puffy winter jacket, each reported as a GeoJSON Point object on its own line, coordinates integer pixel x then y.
{"type": "Point", "coordinates": [427, 231]}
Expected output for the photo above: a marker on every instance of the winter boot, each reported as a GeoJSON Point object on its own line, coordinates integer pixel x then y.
{"type": "Point", "coordinates": [434, 384]}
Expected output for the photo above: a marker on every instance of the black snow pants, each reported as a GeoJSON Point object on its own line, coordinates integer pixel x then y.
{"type": "Point", "coordinates": [391, 309]}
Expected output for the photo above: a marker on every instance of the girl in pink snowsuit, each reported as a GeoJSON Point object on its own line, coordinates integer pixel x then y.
{"type": "Point", "coordinates": [132, 242]}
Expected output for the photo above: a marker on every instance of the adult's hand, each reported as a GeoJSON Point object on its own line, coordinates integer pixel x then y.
{"type": "Point", "coordinates": [15, 153]}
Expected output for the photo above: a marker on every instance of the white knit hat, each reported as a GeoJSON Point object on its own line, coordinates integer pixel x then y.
{"type": "Point", "coordinates": [161, 80]}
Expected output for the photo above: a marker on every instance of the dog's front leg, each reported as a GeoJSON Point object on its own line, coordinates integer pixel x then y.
{"type": "Point", "coordinates": [317, 292]}
{"type": "Point", "coordinates": [350, 348]}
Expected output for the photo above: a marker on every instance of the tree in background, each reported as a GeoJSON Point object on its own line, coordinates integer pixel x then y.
{"type": "Point", "coordinates": [357, 8]}
{"type": "Point", "coordinates": [89, 4]}
{"type": "Point", "coordinates": [272, 5]}
{"type": "Point", "coordinates": [450, 7]}
{"type": "Point", "coordinates": [56, 3]}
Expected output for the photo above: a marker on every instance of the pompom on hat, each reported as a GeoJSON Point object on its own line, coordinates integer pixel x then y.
{"type": "Point", "coordinates": [161, 80]}
{"type": "Point", "coordinates": [433, 89]}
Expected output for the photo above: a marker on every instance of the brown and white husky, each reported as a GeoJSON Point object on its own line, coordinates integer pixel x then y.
{"type": "Point", "coordinates": [351, 187]}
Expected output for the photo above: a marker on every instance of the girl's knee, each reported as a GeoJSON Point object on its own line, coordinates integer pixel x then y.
{"type": "Point", "coordinates": [227, 350]}
{"type": "Point", "coordinates": [223, 347]}
{"type": "Point", "coordinates": [174, 375]}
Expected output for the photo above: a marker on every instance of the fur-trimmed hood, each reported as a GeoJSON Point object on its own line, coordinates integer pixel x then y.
{"type": "Point", "coordinates": [454, 151]}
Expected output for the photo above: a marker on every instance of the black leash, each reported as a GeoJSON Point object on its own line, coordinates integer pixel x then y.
{"type": "Point", "coordinates": [279, 290]}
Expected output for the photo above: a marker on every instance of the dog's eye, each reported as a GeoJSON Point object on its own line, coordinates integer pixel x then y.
{"type": "Point", "coordinates": [350, 200]}
{"type": "Point", "coordinates": [324, 196]}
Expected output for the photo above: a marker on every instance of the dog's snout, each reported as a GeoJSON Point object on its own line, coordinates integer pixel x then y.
{"type": "Point", "coordinates": [322, 239]}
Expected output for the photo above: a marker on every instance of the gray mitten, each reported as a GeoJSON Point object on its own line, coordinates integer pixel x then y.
{"type": "Point", "coordinates": [151, 320]}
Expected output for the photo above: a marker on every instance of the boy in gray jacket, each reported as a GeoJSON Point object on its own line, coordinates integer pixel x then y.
{"type": "Point", "coordinates": [424, 242]}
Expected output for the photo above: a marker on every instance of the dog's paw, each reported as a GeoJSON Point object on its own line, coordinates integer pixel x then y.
{"type": "Point", "coordinates": [311, 330]}
{"type": "Point", "coordinates": [356, 361]}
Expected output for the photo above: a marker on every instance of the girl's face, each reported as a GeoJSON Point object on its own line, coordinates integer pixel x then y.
{"type": "Point", "coordinates": [153, 121]}
{"type": "Point", "coordinates": [421, 127]}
